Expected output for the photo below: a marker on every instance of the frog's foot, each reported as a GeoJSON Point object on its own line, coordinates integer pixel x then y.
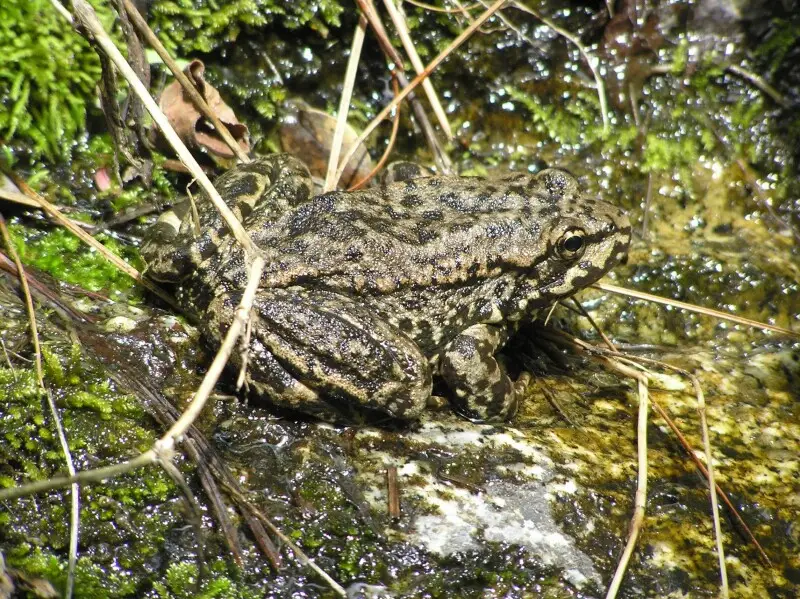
{"type": "Point", "coordinates": [481, 389]}
{"type": "Point", "coordinates": [312, 346]}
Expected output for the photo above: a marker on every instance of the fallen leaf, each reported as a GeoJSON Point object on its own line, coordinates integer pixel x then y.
{"type": "Point", "coordinates": [195, 130]}
{"type": "Point", "coordinates": [308, 134]}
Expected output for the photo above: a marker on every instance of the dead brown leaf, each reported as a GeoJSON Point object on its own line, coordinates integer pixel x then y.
{"type": "Point", "coordinates": [308, 133]}
{"type": "Point", "coordinates": [192, 127]}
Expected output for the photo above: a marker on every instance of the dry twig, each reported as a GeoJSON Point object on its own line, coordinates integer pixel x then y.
{"type": "Point", "coordinates": [418, 79]}
{"type": "Point", "coordinates": [416, 62]}
{"type": "Point", "coordinates": [188, 86]}
{"type": "Point", "coordinates": [73, 228]}
{"type": "Point", "coordinates": [389, 145]}
{"type": "Point", "coordinates": [75, 498]}
{"type": "Point", "coordinates": [331, 179]}
{"type": "Point", "coordinates": [640, 500]}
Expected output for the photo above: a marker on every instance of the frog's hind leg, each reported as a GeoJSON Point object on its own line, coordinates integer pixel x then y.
{"type": "Point", "coordinates": [481, 388]}
{"type": "Point", "coordinates": [322, 345]}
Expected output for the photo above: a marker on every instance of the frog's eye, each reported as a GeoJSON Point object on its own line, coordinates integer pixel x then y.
{"type": "Point", "coordinates": [571, 244]}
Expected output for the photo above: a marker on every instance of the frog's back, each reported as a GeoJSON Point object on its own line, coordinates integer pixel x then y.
{"type": "Point", "coordinates": [416, 233]}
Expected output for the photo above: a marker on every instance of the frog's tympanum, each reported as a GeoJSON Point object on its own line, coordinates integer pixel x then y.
{"type": "Point", "coordinates": [368, 295]}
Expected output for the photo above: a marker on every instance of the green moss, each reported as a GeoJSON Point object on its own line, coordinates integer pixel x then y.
{"type": "Point", "coordinates": [181, 582]}
{"type": "Point", "coordinates": [48, 76]}
{"type": "Point", "coordinates": [61, 254]}
{"type": "Point", "coordinates": [201, 26]}
{"type": "Point", "coordinates": [91, 581]}
{"type": "Point", "coordinates": [577, 122]}
{"type": "Point", "coordinates": [663, 153]}
{"type": "Point", "coordinates": [782, 37]}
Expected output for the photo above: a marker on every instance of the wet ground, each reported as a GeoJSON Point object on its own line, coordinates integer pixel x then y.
{"type": "Point", "coordinates": [537, 507]}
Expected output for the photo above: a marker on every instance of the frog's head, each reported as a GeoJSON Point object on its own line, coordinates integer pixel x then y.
{"type": "Point", "coordinates": [581, 237]}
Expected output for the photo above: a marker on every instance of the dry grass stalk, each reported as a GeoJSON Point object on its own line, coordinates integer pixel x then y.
{"type": "Point", "coordinates": [701, 408]}
{"type": "Point", "coordinates": [640, 501]}
{"type": "Point", "coordinates": [86, 19]}
{"type": "Point", "coordinates": [331, 178]}
{"type": "Point", "coordinates": [191, 90]}
{"type": "Point", "coordinates": [466, 34]}
{"type": "Point", "coordinates": [408, 44]}
{"type": "Point", "coordinates": [75, 497]}
{"type": "Point", "coordinates": [389, 146]}
{"type": "Point", "coordinates": [694, 308]}
{"type": "Point", "coordinates": [440, 157]}
{"type": "Point", "coordinates": [636, 361]}
{"type": "Point", "coordinates": [18, 198]}
{"type": "Point", "coordinates": [367, 8]}
{"type": "Point", "coordinates": [709, 473]}
{"type": "Point", "coordinates": [163, 450]}
{"type": "Point", "coordinates": [73, 228]}
{"type": "Point", "coordinates": [591, 60]}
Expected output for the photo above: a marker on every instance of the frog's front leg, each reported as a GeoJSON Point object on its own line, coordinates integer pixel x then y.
{"type": "Point", "coordinates": [315, 347]}
{"type": "Point", "coordinates": [481, 388]}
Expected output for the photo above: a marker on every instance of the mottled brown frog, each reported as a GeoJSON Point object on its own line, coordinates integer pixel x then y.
{"type": "Point", "coordinates": [369, 295]}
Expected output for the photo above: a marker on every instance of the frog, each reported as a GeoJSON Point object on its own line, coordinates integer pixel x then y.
{"type": "Point", "coordinates": [370, 297]}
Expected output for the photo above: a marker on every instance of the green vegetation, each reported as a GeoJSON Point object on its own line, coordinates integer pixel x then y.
{"type": "Point", "coordinates": [48, 74]}
{"type": "Point", "coordinates": [189, 26]}
{"type": "Point", "coordinates": [61, 254]}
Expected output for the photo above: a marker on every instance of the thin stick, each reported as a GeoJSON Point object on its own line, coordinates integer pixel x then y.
{"type": "Point", "coordinates": [86, 19]}
{"type": "Point", "coordinates": [73, 228]}
{"type": "Point", "coordinates": [163, 449]}
{"type": "Point", "coordinates": [441, 159]}
{"type": "Point", "coordinates": [392, 493]}
{"type": "Point", "coordinates": [241, 316]}
{"type": "Point", "coordinates": [301, 556]}
{"type": "Point", "coordinates": [687, 447]}
{"type": "Point", "coordinates": [17, 198]}
{"type": "Point", "coordinates": [692, 308]}
{"type": "Point", "coordinates": [707, 447]}
{"type": "Point", "coordinates": [389, 146]}
{"type": "Point", "coordinates": [676, 431]}
{"type": "Point", "coordinates": [588, 317]}
{"type": "Point", "coordinates": [84, 477]}
{"type": "Point", "coordinates": [648, 202]}
{"type": "Point", "coordinates": [368, 9]}
{"type": "Point", "coordinates": [641, 482]}
{"type": "Point", "coordinates": [449, 11]}
{"type": "Point", "coordinates": [331, 179]}
{"type": "Point", "coordinates": [419, 79]}
{"type": "Point", "coordinates": [416, 62]}
{"type": "Point", "coordinates": [759, 82]}
{"type": "Point", "coordinates": [701, 408]}
{"type": "Point", "coordinates": [75, 497]}
{"type": "Point", "coordinates": [198, 100]}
